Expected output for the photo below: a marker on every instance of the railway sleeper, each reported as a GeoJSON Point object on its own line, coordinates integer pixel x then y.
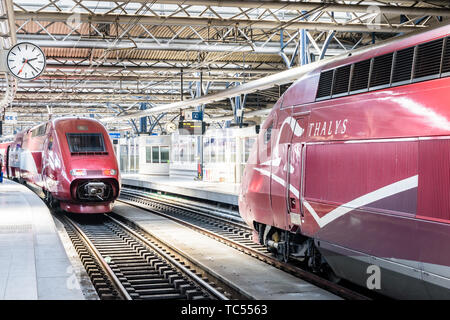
{"type": "Point", "coordinates": [171, 296]}
{"type": "Point", "coordinates": [146, 281]}
{"type": "Point", "coordinates": [151, 285]}
{"type": "Point", "coordinates": [156, 291]}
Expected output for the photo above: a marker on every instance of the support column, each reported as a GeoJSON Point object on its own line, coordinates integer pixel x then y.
{"type": "Point", "coordinates": [181, 85]}
{"type": "Point", "coordinates": [200, 109]}
{"type": "Point", "coordinates": [143, 120]}
{"type": "Point", "coordinates": [303, 42]}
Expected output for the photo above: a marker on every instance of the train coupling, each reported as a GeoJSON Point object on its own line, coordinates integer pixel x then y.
{"type": "Point", "coordinates": [95, 190]}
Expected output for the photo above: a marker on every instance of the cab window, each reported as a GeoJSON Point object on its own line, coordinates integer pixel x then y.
{"type": "Point", "coordinates": [86, 142]}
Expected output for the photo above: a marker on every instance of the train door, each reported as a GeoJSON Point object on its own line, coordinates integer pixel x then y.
{"type": "Point", "coordinates": [46, 158]}
{"type": "Point", "coordinates": [295, 173]}
{"type": "Point", "coordinates": [6, 161]}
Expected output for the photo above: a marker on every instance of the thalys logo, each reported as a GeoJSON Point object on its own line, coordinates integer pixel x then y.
{"type": "Point", "coordinates": [327, 128]}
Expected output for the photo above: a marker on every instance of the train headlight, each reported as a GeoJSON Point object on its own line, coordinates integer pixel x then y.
{"type": "Point", "coordinates": [109, 172]}
{"type": "Point", "coordinates": [78, 172]}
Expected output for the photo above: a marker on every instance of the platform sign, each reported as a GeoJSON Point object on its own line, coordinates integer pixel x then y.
{"type": "Point", "coordinates": [191, 127]}
{"type": "Point", "coordinates": [10, 117]}
{"type": "Point", "coordinates": [194, 115]}
{"type": "Point", "coordinates": [114, 135]}
{"type": "Point", "coordinates": [197, 116]}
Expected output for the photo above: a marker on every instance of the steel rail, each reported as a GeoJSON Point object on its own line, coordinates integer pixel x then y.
{"type": "Point", "coordinates": [192, 275]}
{"type": "Point", "coordinates": [116, 282]}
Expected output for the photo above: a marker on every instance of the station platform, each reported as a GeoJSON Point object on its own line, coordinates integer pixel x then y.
{"type": "Point", "coordinates": [34, 264]}
{"type": "Point", "coordinates": [253, 277]}
{"type": "Point", "coordinates": [215, 191]}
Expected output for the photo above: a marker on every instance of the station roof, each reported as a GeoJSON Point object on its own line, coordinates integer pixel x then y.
{"type": "Point", "coordinates": [106, 58]}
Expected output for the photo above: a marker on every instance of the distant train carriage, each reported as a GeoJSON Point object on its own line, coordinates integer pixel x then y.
{"type": "Point", "coordinates": [4, 148]}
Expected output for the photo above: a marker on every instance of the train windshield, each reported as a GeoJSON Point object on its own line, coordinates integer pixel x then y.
{"type": "Point", "coordinates": [86, 142]}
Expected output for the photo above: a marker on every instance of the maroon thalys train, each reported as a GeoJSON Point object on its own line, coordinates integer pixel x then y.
{"type": "Point", "coordinates": [71, 160]}
{"type": "Point", "coordinates": [3, 160]}
{"type": "Point", "coordinates": [351, 170]}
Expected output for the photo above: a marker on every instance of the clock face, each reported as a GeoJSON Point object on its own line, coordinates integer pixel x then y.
{"type": "Point", "coordinates": [25, 61]}
{"type": "Point", "coordinates": [171, 127]}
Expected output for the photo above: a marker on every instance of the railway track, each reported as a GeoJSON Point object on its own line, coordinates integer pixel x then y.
{"type": "Point", "coordinates": [230, 225]}
{"type": "Point", "coordinates": [130, 265]}
{"type": "Point", "coordinates": [228, 231]}
{"type": "Point", "coordinates": [227, 212]}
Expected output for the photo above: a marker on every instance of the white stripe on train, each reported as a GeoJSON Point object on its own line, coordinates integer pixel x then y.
{"type": "Point", "coordinates": [381, 193]}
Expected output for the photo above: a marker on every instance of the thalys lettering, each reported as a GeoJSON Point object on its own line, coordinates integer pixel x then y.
{"type": "Point", "coordinates": [327, 128]}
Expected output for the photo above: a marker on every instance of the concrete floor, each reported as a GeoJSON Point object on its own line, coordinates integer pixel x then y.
{"type": "Point", "coordinates": [33, 261]}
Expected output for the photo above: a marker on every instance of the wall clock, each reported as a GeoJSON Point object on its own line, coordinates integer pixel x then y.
{"type": "Point", "coordinates": [25, 61]}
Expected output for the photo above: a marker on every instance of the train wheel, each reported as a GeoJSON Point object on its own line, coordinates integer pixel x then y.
{"type": "Point", "coordinates": [46, 197]}
{"type": "Point", "coordinates": [281, 247]}
{"type": "Point", "coordinates": [50, 200]}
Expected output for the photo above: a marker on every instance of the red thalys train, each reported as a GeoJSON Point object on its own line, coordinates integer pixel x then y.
{"type": "Point", "coordinates": [3, 154]}
{"type": "Point", "coordinates": [71, 160]}
{"type": "Point", "coordinates": [351, 170]}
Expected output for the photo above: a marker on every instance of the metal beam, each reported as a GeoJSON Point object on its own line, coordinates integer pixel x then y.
{"type": "Point", "coordinates": [152, 69]}
{"type": "Point", "coordinates": [184, 63]}
{"type": "Point", "coordinates": [297, 5]}
{"type": "Point", "coordinates": [132, 77]}
{"type": "Point", "coordinates": [146, 44]}
{"type": "Point", "coordinates": [216, 22]}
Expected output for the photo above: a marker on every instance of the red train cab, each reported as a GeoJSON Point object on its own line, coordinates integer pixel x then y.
{"type": "Point", "coordinates": [71, 160]}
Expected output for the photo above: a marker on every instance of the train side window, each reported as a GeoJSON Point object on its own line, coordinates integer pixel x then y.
{"type": "Point", "coordinates": [268, 134]}
{"type": "Point", "coordinates": [325, 84]}
{"type": "Point", "coordinates": [445, 69]}
{"type": "Point", "coordinates": [360, 76]}
{"type": "Point", "coordinates": [42, 129]}
{"type": "Point", "coordinates": [39, 131]}
{"type": "Point", "coordinates": [428, 60]}
{"type": "Point", "coordinates": [381, 71]}
{"type": "Point", "coordinates": [341, 80]}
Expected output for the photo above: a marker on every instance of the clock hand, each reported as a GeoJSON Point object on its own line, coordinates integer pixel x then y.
{"type": "Point", "coordinates": [32, 59]}
{"type": "Point", "coordinates": [23, 66]}
{"type": "Point", "coordinates": [32, 66]}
